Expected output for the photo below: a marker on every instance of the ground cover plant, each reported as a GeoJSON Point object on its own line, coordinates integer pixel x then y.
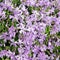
{"type": "Point", "coordinates": [29, 29]}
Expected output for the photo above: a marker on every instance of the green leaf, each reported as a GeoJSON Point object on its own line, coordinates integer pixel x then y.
{"type": "Point", "coordinates": [15, 23]}
{"type": "Point", "coordinates": [16, 52]}
{"type": "Point", "coordinates": [47, 9]}
{"type": "Point", "coordinates": [9, 22]}
{"type": "Point", "coordinates": [7, 47]}
{"type": "Point", "coordinates": [58, 34]}
{"type": "Point", "coordinates": [0, 48]}
{"type": "Point", "coordinates": [7, 43]}
{"type": "Point", "coordinates": [3, 47]}
{"type": "Point", "coordinates": [56, 50]}
{"type": "Point", "coordinates": [30, 54]}
{"type": "Point", "coordinates": [1, 0]}
{"type": "Point", "coordinates": [12, 48]}
{"type": "Point", "coordinates": [36, 42]}
{"type": "Point", "coordinates": [0, 58]}
{"type": "Point", "coordinates": [7, 12]}
{"type": "Point", "coordinates": [37, 8]}
{"type": "Point", "coordinates": [3, 27]}
{"type": "Point", "coordinates": [1, 41]}
{"type": "Point", "coordinates": [46, 40]}
{"type": "Point", "coordinates": [3, 59]}
{"type": "Point", "coordinates": [16, 2]}
{"type": "Point", "coordinates": [56, 11]}
{"type": "Point", "coordinates": [48, 52]}
{"type": "Point", "coordinates": [16, 37]}
{"type": "Point", "coordinates": [7, 59]}
{"type": "Point", "coordinates": [30, 8]}
{"type": "Point", "coordinates": [47, 30]}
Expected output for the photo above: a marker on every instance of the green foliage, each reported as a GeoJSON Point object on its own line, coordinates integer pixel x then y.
{"type": "Point", "coordinates": [9, 22]}
{"type": "Point", "coordinates": [7, 12]}
{"type": "Point", "coordinates": [0, 58]}
{"type": "Point", "coordinates": [1, 41]}
{"type": "Point", "coordinates": [56, 50]}
{"type": "Point", "coordinates": [3, 27]}
{"type": "Point", "coordinates": [48, 8]}
{"type": "Point", "coordinates": [58, 34]}
{"type": "Point", "coordinates": [16, 37]}
{"type": "Point", "coordinates": [56, 11]}
{"type": "Point", "coordinates": [12, 48]}
{"type": "Point", "coordinates": [1, 0]}
{"type": "Point", "coordinates": [48, 52]}
{"type": "Point", "coordinates": [37, 8]}
{"type": "Point", "coordinates": [47, 31]}
{"type": "Point", "coordinates": [16, 2]}
{"type": "Point", "coordinates": [5, 58]}
{"type": "Point", "coordinates": [30, 54]}
{"type": "Point", "coordinates": [46, 41]}
{"type": "Point", "coordinates": [16, 51]}
{"type": "Point", "coordinates": [7, 45]}
{"type": "Point", "coordinates": [30, 8]}
{"type": "Point", "coordinates": [2, 48]}
{"type": "Point", "coordinates": [36, 42]}
{"type": "Point", "coordinates": [14, 23]}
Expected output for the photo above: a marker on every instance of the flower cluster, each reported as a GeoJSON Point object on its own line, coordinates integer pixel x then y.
{"type": "Point", "coordinates": [29, 29]}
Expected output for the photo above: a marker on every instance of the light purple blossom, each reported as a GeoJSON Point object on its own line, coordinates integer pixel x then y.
{"type": "Point", "coordinates": [34, 33]}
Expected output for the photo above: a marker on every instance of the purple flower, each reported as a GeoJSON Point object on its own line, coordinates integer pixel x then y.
{"type": "Point", "coordinates": [12, 31]}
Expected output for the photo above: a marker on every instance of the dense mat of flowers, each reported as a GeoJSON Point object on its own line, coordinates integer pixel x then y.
{"type": "Point", "coordinates": [29, 29]}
